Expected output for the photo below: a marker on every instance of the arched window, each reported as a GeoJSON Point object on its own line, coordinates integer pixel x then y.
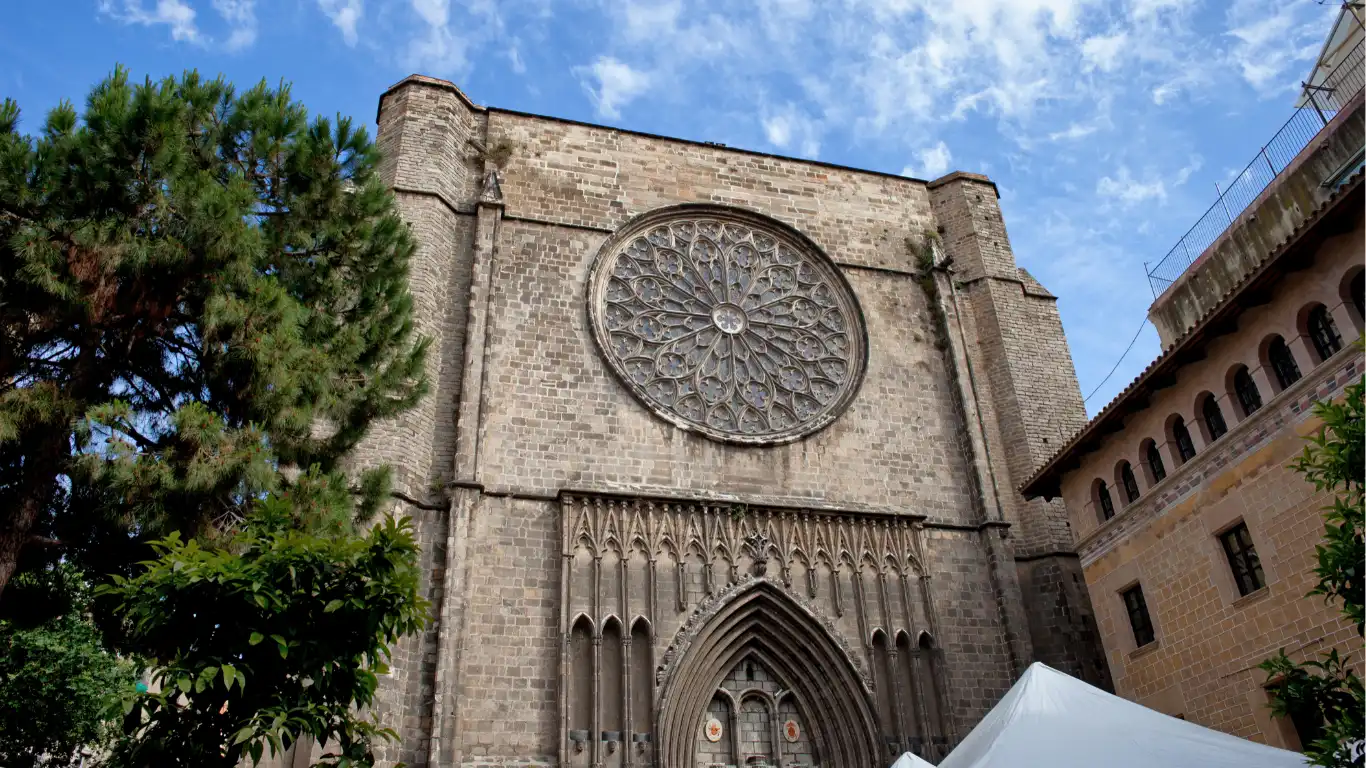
{"type": "Point", "coordinates": [642, 682]}
{"type": "Point", "coordinates": [884, 686]}
{"type": "Point", "coordinates": [1246, 390]}
{"type": "Point", "coordinates": [1213, 418]}
{"type": "Point", "coordinates": [1282, 362]}
{"type": "Point", "coordinates": [926, 661]}
{"type": "Point", "coordinates": [581, 681]}
{"type": "Point", "coordinates": [1103, 501]}
{"type": "Point", "coordinates": [611, 683]}
{"type": "Point", "coordinates": [1153, 457]}
{"type": "Point", "coordinates": [1130, 483]}
{"type": "Point", "coordinates": [906, 656]}
{"type": "Point", "coordinates": [1185, 448]}
{"type": "Point", "coordinates": [1323, 332]}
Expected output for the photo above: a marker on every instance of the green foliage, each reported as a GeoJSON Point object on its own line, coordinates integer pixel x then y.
{"type": "Point", "coordinates": [203, 307]}
{"type": "Point", "coordinates": [1335, 461]}
{"type": "Point", "coordinates": [923, 248]}
{"type": "Point", "coordinates": [277, 636]}
{"type": "Point", "coordinates": [1326, 689]}
{"type": "Point", "coordinates": [198, 289]}
{"type": "Point", "coordinates": [1320, 690]}
{"type": "Point", "coordinates": [60, 689]}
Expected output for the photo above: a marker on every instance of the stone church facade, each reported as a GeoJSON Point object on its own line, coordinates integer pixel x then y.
{"type": "Point", "coordinates": [718, 462]}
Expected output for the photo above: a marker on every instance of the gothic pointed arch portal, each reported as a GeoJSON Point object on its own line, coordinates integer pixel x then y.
{"type": "Point", "coordinates": [814, 677]}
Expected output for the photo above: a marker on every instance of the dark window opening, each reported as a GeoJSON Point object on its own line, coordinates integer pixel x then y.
{"type": "Point", "coordinates": [1138, 615]}
{"type": "Point", "coordinates": [1184, 446]}
{"type": "Point", "coordinates": [1323, 332]}
{"type": "Point", "coordinates": [1242, 558]}
{"type": "Point", "coordinates": [1283, 363]}
{"type": "Point", "coordinates": [1126, 476]}
{"type": "Point", "coordinates": [1214, 419]}
{"type": "Point", "coordinates": [1155, 464]}
{"type": "Point", "coordinates": [1308, 725]}
{"type": "Point", "coordinates": [1107, 507]}
{"type": "Point", "coordinates": [1246, 389]}
{"type": "Point", "coordinates": [1307, 720]}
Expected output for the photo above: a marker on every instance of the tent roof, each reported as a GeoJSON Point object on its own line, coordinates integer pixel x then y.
{"type": "Point", "coordinates": [1052, 720]}
{"type": "Point", "coordinates": [910, 760]}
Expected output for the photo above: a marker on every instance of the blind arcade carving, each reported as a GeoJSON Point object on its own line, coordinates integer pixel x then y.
{"type": "Point", "coordinates": [664, 601]}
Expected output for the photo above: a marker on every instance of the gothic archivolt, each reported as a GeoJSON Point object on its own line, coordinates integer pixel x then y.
{"type": "Point", "coordinates": [727, 323]}
{"type": "Point", "coordinates": [787, 589]}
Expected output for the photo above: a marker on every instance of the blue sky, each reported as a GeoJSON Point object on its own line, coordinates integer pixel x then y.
{"type": "Point", "coordinates": [1106, 125]}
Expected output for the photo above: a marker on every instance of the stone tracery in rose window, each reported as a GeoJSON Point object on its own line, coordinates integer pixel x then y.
{"type": "Point", "coordinates": [726, 324]}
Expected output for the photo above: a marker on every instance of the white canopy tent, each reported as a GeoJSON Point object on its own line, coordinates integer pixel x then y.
{"type": "Point", "coordinates": [910, 760]}
{"type": "Point", "coordinates": [1052, 720]}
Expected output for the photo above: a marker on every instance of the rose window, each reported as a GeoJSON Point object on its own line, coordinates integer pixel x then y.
{"type": "Point", "coordinates": [727, 324]}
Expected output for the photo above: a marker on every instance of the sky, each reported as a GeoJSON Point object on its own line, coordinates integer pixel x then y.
{"type": "Point", "coordinates": [1105, 124]}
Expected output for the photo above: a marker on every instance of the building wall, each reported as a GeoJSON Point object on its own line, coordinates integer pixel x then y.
{"type": "Point", "coordinates": [524, 408]}
{"type": "Point", "coordinates": [1029, 403]}
{"type": "Point", "coordinates": [1273, 217]}
{"type": "Point", "coordinates": [1209, 639]}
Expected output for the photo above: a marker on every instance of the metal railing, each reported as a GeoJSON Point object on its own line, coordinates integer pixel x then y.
{"type": "Point", "coordinates": [1322, 104]}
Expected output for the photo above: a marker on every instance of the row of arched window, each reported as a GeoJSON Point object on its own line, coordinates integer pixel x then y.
{"type": "Point", "coordinates": [1277, 362]}
{"type": "Point", "coordinates": [908, 696]}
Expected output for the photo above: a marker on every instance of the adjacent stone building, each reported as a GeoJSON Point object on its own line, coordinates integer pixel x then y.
{"type": "Point", "coordinates": [719, 459]}
{"type": "Point", "coordinates": [1196, 538]}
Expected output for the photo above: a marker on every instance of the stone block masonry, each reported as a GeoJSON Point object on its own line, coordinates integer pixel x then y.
{"type": "Point", "coordinates": [965, 384]}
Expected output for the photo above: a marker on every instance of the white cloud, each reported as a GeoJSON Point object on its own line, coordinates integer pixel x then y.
{"type": "Point", "coordinates": [345, 14]}
{"type": "Point", "coordinates": [175, 14]}
{"type": "Point", "coordinates": [1130, 191]}
{"type": "Point", "coordinates": [931, 162]}
{"type": "Point", "coordinates": [617, 84]}
{"type": "Point", "coordinates": [646, 20]}
{"type": "Point", "coordinates": [436, 49]}
{"type": "Point", "coordinates": [515, 59]}
{"type": "Point", "coordinates": [1103, 51]}
{"type": "Point", "coordinates": [240, 16]}
{"type": "Point", "coordinates": [1073, 132]}
{"type": "Point", "coordinates": [1146, 9]}
{"type": "Point", "coordinates": [790, 129]}
{"type": "Point", "coordinates": [1274, 42]}
{"type": "Point", "coordinates": [778, 130]}
{"type": "Point", "coordinates": [1183, 175]}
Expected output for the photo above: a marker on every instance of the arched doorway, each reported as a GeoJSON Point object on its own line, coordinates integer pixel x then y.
{"type": "Point", "coordinates": [788, 688]}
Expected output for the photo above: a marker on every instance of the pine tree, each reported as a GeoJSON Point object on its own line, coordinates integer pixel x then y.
{"type": "Point", "coordinates": [203, 307]}
{"type": "Point", "coordinates": [202, 293]}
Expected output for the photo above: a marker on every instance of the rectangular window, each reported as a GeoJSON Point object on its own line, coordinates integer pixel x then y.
{"type": "Point", "coordinates": [1138, 615]}
{"type": "Point", "coordinates": [1242, 558]}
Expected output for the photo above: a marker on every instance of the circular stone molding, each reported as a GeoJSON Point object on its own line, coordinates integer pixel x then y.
{"type": "Point", "coordinates": [727, 323]}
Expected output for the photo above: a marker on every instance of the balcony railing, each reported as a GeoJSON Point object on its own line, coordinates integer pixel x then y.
{"type": "Point", "coordinates": [1322, 104]}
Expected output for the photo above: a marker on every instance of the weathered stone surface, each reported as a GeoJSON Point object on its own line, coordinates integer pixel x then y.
{"type": "Point", "coordinates": [967, 382]}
